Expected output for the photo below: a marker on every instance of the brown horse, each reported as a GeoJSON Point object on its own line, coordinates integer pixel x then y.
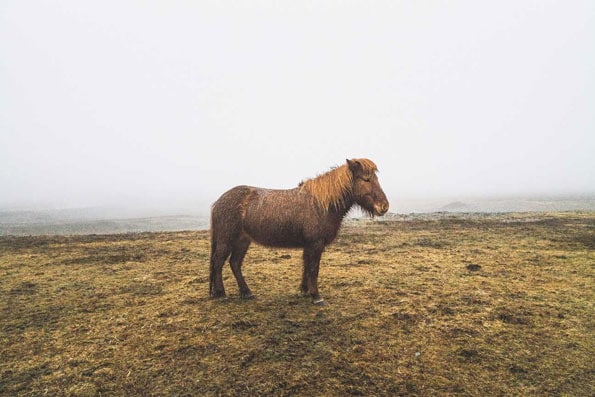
{"type": "Point", "coordinates": [308, 216]}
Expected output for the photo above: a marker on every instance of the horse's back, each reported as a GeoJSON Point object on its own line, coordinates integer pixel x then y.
{"type": "Point", "coordinates": [262, 201]}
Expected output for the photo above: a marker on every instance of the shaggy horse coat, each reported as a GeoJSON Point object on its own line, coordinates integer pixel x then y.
{"type": "Point", "coordinates": [308, 216]}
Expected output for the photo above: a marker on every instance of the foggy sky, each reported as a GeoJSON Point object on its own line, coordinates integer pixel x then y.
{"type": "Point", "coordinates": [142, 102]}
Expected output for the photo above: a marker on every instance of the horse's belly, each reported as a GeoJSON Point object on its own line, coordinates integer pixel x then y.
{"type": "Point", "coordinates": [275, 234]}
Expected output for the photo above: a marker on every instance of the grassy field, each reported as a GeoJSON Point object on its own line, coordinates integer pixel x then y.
{"type": "Point", "coordinates": [480, 305]}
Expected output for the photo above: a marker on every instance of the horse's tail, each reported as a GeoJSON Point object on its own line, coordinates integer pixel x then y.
{"type": "Point", "coordinates": [212, 260]}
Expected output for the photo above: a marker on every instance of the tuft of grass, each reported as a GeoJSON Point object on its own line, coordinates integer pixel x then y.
{"type": "Point", "coordinates": [470, 305]}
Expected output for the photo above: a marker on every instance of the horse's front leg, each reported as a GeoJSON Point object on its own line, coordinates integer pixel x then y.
{"type": "Point", "coordinates": [312, 254]}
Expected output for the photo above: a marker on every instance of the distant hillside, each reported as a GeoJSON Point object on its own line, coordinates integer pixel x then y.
{"type": "Point", "coordinates": [456, 206]}
{"type": "Point", "coordinates": [497, 204]}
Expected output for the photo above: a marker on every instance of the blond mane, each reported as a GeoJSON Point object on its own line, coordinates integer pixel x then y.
{"type": "Point", "coordinates": [333, 187]}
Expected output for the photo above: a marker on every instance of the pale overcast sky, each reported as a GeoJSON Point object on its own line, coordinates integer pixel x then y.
{"type": "Point", "coordinates": [135, 102]}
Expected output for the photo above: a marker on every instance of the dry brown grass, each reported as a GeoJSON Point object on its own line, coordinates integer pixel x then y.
{"type": "Point", "coordinates": [501, 305]}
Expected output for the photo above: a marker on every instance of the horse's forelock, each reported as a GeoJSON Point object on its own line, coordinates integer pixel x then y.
{"type": "Point", "coordinates": [368, 165]}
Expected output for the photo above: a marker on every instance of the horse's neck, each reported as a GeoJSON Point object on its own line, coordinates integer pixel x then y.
{"type": "Point", "coordinates": [339, 212]}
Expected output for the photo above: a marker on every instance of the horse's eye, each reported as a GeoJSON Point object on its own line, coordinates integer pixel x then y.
{"type": "Point", "coordinates": [366, 179]}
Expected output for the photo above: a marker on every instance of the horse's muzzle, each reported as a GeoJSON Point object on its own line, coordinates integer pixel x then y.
{"type": "Point", "coordinates": [381, 208]}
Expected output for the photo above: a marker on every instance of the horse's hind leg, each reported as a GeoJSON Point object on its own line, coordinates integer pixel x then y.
{"type": "Point", "coordinates": [219, 253]}
{"type": "Point", "coordinates": [240, 247]}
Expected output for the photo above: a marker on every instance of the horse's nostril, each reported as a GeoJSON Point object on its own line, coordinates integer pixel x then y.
{"type": "Point", "coordinates": [381, 208]}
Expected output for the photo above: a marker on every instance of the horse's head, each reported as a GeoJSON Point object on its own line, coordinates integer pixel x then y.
{"type": "Point", "coordinates": [366, 189]}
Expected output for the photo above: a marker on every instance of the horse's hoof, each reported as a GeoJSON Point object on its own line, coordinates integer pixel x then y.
{"type": "Point", "coordinates": [319, 302]}
{"type": "Point", "coordinates": [248, 296]}
{"type": "Point", "coordinates": [219, 297]}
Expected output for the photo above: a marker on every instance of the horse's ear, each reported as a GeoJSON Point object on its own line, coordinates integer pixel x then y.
{"type": "Point", "coordinates": [355, 166]}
